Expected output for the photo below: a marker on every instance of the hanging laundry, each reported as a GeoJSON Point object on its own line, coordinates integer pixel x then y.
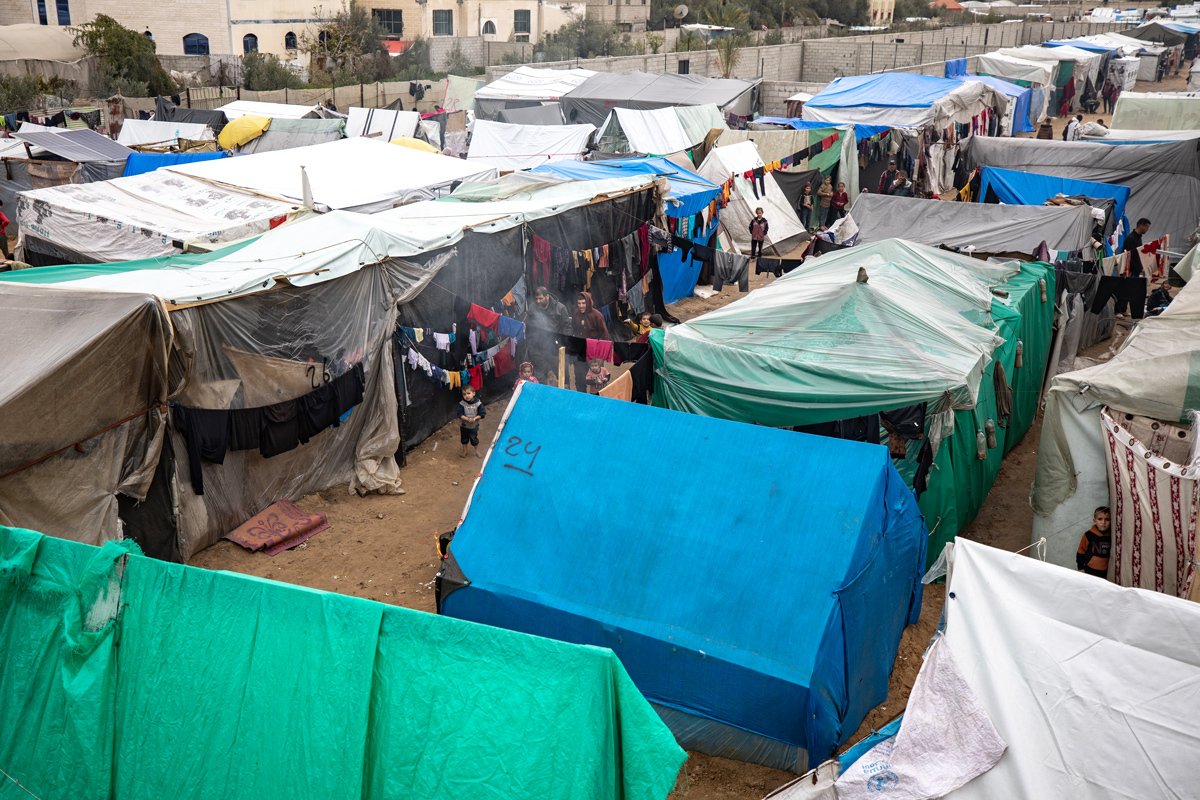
{"type": "Point", "coordinates": [484, 317]}
{"type": "Point", "coordinates": [476, 375]}
{"type": "Point", "coordinates": [600, 348]}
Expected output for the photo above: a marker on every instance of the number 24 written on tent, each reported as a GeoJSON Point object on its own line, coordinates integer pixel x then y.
{"type": "Point", "coordinates": [517, 448]}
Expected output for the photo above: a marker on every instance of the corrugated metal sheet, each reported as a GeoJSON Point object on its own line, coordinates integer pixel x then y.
{"type": "Point", "coordinates": [76, 145]}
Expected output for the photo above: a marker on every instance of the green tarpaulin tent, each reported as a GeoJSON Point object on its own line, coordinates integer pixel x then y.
{"type": "Point", "coordinates": [925, 328]}
{"type": "Point", "coordinates": [128, 677]}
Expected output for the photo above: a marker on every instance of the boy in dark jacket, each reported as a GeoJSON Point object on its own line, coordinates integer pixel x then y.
{"type": "Point", "coordinates": [758, 233]}
{"type": "Point", "coordinates": [470, 411]}
{"type": "Point", "coordinates": [1094, 545]}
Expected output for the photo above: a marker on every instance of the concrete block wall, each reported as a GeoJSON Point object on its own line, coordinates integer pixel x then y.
{"type": "Point", "coordinates": [773, 95]}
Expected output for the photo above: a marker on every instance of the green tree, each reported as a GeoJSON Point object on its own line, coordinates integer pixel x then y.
{"type": "Point", "coordinates": [586, 38]}
{"type": "Point", "coordinates": [688, 41]}
{"type": "Point", "coordinates": [126, 57]}
{"type": "Point", "coordinates": [265, 73]}
{"type": "Point", "coordinates": [18, 92]}
{"type": "Point", "coordinates": [346, 47]}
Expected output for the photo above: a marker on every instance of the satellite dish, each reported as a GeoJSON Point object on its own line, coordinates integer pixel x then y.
{"type": "Point", "coordinates": [680, 11]}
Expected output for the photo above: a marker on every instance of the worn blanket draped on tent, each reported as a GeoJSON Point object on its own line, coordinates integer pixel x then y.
{"type": "Point", "coordinates": [396, 703]}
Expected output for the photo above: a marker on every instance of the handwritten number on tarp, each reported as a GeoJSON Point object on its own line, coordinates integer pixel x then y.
{"type": "Point", "coordinates": [311, 372]}
{"type": "Point", "coordinates": [517, 448]}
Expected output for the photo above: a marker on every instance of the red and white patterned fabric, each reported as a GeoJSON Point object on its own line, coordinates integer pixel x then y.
{"type": "Point", "coordinates": [1154, 505]}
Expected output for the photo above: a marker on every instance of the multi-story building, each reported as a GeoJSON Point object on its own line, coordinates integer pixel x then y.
{"type": "Point", "coordinates": [627, 15]}
{"type": "Point", "coordinates": [497, 20]}
{"type": "Point", "coordinates": [880, 12]}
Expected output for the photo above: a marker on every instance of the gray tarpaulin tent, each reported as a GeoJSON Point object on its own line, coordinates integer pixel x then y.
{"type": "Point", "coordinates": [989, 228]}
{"type": "Point", "coordinates": [592, 100]}
{"type": "Point", "coordinates": [1164, 177]}
{"type": "Point", "coordinates": [544, 114]}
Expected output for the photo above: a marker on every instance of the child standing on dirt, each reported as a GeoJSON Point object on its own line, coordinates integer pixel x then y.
{"type": "Point", "coordinates": [470, 411]}
{"type": "Point", "coordinates": [1095, 544]}
{"type": "Point", "coordinates": [758, 233]}
{"type": "Point", "coordinates": [597, 376]}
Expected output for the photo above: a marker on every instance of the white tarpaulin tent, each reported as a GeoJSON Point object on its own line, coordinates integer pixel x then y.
{"type": "Point", "coordinates": [506, 146]}
{"type": "Point", "coordinates": [1086, 64]}
{"type": "Point", "coordinates": [1152, 376]}
{"type": "Point", "coordinates": [1001, 65]}
{"type": "Point", "coordinates": [358, 174]}
{"type": "Point", "coordinates": [1157, 111]}
{"type": "Point", "coordinates": [735, 160]}
{"type": "Point", "coordinates": [381, 123]}
{"type": "Point", "coordinates": [156, 132]}
{"type": "Point", "coordinates": [241, 108]}
{"type": "Point", "coordinates": [1091, 687]}
{"type": "Point", "coordinates": [527, 86]}
{"type": "Point", "coordinates": [898, 99]}
{"type": "Point", "coordinates": [658, 131]}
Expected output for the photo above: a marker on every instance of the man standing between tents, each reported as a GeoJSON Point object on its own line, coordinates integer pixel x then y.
{"type": "Point", "coordinates": [545, 320]}
{"type": "Point", "coordinates": [888, 179]}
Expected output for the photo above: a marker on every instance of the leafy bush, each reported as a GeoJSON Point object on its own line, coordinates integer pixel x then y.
{"type": "Point", "coordinates": [265, 72]}
{"type": "Point", "coordinates": [127, 58]}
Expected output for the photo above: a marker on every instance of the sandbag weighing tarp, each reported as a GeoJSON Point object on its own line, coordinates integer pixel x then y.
{"type": "Point", "coordinates": [1091, 686]}
{"type": "Point", "coordinates": [86, 368]}
{"type": "Point", "coordinates": [527, 87]}
{"type": "Point", "coordinates": [735, 161]}
{"type": "Point", "coordinates": [140, 163]}
{"type": "Point", "coordinates": [358, 174]}
{"type": "Point", "coordinates": [1031, 188]}
{"type": "Point", "coordinates": [396, 703]}
{"type": "Point", "coordinates": [987, 228]}
{"type": "Point", "coordinates": [770, 671]}
{"type": "Point", "coordinates": [689, 194]}
{"type": "Point", "coordinates": [1150, 111]}
{"type": "Point", "coordinates": [284, 134]}
{"type": "Point", "coordinates": [505, 146]}
{"type": "Point", "coordinates": [898, 99]}
{"type": "Point", "coordinates": [1017, 118]}
{"type": "Point", "coordinates": [1163, 179]}
{"type": "Point", "coordinates": [1156, 374]}
{"type": "Point", "coordinates": [144, 216]}
{"type": "Point", "coordinates": [593, 99]}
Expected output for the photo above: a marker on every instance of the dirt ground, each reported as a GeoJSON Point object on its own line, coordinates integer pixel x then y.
{"type": "Point", "coordinates": [384, 548]}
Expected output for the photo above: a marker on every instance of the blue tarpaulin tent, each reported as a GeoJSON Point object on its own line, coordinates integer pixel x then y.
{"type": "Point", "coordinates": [693, 193]}
{"type": "Point", "coordinates": [1084, 44]}
{"type": "Point", "coordinates": [1034, 188]}
{"type": "Point", "coordinates": [860, 131]}
{"type": "Point", "coordinates": [1021, 123]}
{"type": "Point", "coordinates": [138, 163]}
{"type": "Point", "coordinates": [900, 100]}
{"type": "Point", "coordinates": [759, 609]}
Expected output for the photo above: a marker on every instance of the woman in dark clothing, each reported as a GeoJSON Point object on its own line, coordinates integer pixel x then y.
{"type": "Point", "coordinates": [588, 322]}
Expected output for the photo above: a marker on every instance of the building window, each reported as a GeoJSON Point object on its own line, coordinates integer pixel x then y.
{"type": "Point", "coordinates": [390, 19]}
{"type": "Point", "coordinates": [489, 28]}
{"type": "Point", "coordinates": [521, 21]}
{"type": "Point", "coordinates": [443, 23]}
{"type": "Point", "coordinates": [148, 35]}
{"type": "Point", "coordinates": [42, 13]}
{"type": "Point", "coordinates": [249, 43]}
{"type": "Point", "coordinates": [64, 11]}
{"type": "Point", "coordinates": [685, 66]}
{"type": "Point", "coordinates": [195, 44]}
{"type": "Point", "coordinates": [289, 41]}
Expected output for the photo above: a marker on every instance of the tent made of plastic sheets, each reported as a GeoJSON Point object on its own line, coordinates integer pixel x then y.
{"type": "Point", "coordinates": [1017, 70]}
{"type": "Point", "coordinates": [146, 679]}
{"type": "Point", "coordinates": [506, 146]}
{"type": "Point", "coordinates": [772, 672]}
{"type": "Point", "coordinates": [527, 86]}
{"type": "Point", "coordinates": [1021, 115]}
{"type": "Point", "coordinates": [1152, 384]}
{"type": "Point", "coordinates": [1045, 683]}
{"type": "Point", "coordinates": [659, 131]}
{"type": "Point", "coordinates": [1153, 111]}
{"type": "Point", "coordinates": [1082, 65]}
{"type": "Point", "coordinates": [778, 143]}
{"type": "Point", "coordinates": [1163, 178]}
{"type": "Point", "coordinates": [734, 161]}
{"type": "Point", "coordinates": [984, 228]}
{"type": "Point", "coordinates": [924, 332]}
{"type": "Point", "coordinates": [594, 99]}
{"type": "Point", "coordinates": [241, 108]}
{"type": "Point", "coordinates": [157, 133]}
{"type": "Point", "coordinates": [901, 100]}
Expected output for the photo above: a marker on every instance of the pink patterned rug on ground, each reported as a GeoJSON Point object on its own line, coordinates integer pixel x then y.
{"type": "Point", "coordinates": [278, 527]}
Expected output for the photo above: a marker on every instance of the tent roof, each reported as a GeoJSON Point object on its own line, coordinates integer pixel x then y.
{"type": "Point", "coordinates": [1169, 33]}
{"type": "Point", "coordinates": [153, 131]}
{"type": "Point", "coordinates": [326, 246]}
{"type": "Point", "coordinates": [28, 41]}
{"type": "Point", "coordinates": [239, 108]}
{"type": "Point", "coordinates": [703, 633]}
{"type": "Point", "coordinates": [1164, 178]}
{"type": "Point", "coordinates": [988, 228]}
{"type": "Point", "coordinates": [1157, 111]}
{"type": "Point", "coordinates": [655, 131]}
{"type": "Point", "coordinates": [543, 114]}
{"type": "Point", "coordinates": [386, 124]}
{"type": "Point", "coordinates": [81, 144]}
{"type": "Point", "coordinates": [647, 90]}
{"type": "Point", "coordinates": [1125, 136]}
{"type": "Point", "coordinates": [1020, 69]}
{"type": "Point", "coordinates": [861, 131]}
{"type": "Point", "coordinates": [999, 84]}
{"type": "Point", "coordinates": [285, 134]}
{"type": "Point", "coordinates": [693, 191]}
{"type": "Point", "coordinates": [355, 174]}
{"type": "Point", "coordinates": [1117, 666]}
{"type": "Point", "coordinates": [816, 346]}
{"type": "Point", "coordinates": [1090, 43]}
{"type": "Point", "coordinates": [534, 83]}
{"type": "Point", "coordinates": [506, 146]}
{"type": "Point", "coordinates": [1018, 187]}
{"type": "Point", "coordinates": [899, 99]}
{"type": "Point", "coordinates": [724, 161]}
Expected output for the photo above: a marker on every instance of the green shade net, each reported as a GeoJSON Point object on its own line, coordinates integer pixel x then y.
{"type": "Point", "coordinates": [128, 677]}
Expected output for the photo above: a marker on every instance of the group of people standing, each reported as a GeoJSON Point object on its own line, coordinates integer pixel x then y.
{"type": "Point", "coordinates": [829, 205]}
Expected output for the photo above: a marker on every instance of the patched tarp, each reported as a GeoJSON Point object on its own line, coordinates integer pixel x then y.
{"type": "Point", "coordinates": [593, 99]}
{"type": "Point", "coordinates": [988, 228]}
{"type": "Point", "coordinates": [1163, 178]}
{"type": "Point", "coordinates": [227, 685]}
{"type": "Point", "coordinates": [795, 663]}
{"type": "Point", "coordinates": [505, 146]}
